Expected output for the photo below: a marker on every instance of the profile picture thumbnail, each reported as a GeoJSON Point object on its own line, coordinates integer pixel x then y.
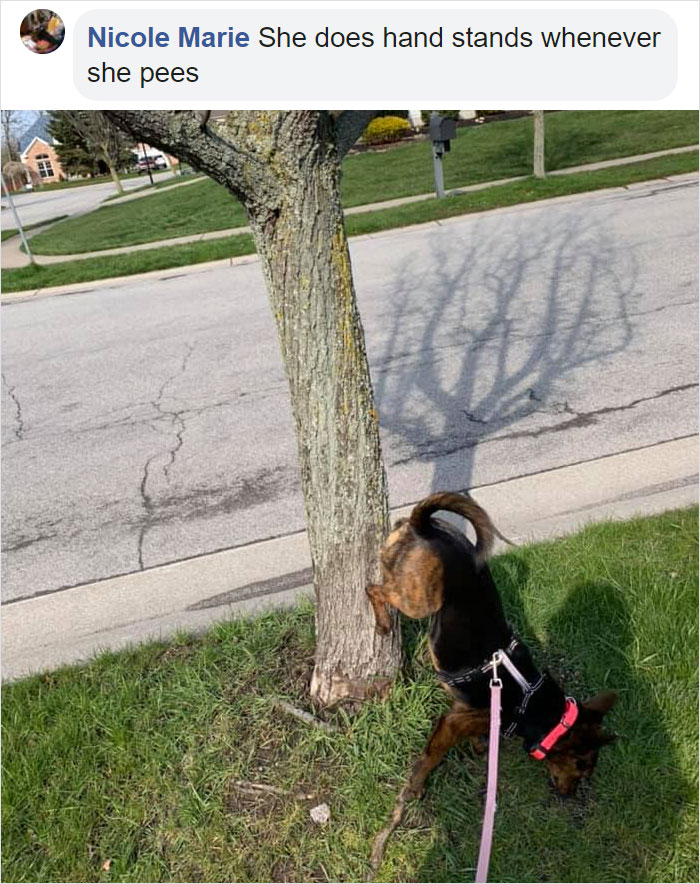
{"type": "Point", "coordinates": [42, 31]}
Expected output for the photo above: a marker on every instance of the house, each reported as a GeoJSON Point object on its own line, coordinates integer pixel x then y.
{"type": "Point", "coordinates": [38, 155]}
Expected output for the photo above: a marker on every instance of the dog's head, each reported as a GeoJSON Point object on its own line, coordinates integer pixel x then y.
{"type": "Point", "coordinates": [576, 755]}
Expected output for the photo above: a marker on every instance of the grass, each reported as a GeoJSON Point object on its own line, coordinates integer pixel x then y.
{"type": "Point", "coordinates": [132, 760]}
{"type": "Point", "coordinates": [524, 191]}
{"type": "Point", "coordinates": [88, 182]}
{"type": "Point", "coordinates": [92, 269]}
{"type": "Point", "coordinates": [494, 151]}
{"type": "Point", "coordinates": [528, 190]}
{"type": "Point", "coordinates": [8, 233]}
{"type": "Point", "coordinates": [157, 185]}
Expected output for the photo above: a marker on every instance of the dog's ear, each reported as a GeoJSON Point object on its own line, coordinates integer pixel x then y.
{"type": "Point", "coordinates": [599, 705]}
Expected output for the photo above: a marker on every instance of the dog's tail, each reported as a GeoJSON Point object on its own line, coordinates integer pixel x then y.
{"type": "Point", "coordinates": [465, 506]}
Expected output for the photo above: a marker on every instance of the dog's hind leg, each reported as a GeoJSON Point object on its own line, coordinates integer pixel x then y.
{"type": "Point", "coordinates": [461, 722]}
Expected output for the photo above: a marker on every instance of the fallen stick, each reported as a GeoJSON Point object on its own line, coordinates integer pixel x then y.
{"type": "Point", "coordinates": [303, 716]}
{"type": "Point", "coordinates": [253, 788]}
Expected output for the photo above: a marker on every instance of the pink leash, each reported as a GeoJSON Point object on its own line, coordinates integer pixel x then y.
{"type": "Point", "coordinates": [482, 866]}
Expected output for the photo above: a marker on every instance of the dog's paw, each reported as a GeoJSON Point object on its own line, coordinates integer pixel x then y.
{"type": "Point", "coordinates": [479, 745]}
{"type": "Point", "coordinates": [411, 792]}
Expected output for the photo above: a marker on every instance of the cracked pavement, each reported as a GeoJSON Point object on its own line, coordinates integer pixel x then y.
{"type": "Point", "coordinates": [177, 428]}
{"type": "Point", "coordinates": [149, 422]}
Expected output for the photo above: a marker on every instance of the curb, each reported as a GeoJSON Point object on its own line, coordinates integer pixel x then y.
{"type": "Point", "coordinates": [71, 625]}
{"type": "Point", "coordinates": [368, 207]}
{"type": "Point", "coordinates": [188, 269]}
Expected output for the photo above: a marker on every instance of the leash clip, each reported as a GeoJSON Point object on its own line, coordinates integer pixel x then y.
{"type": "Point", "coordinates": [496, 661]}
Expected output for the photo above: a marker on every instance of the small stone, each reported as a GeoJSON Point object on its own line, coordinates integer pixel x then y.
{"type": "Point", "coordinates": [320, 814]}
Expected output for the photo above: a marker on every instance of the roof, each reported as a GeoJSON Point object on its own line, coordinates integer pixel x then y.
{"type": "Point", "coordinates": [38, 129]}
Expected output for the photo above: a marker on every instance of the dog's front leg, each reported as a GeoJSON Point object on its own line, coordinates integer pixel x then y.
{"type": "Point", "coordinates": [459, 723]}
{"type": "Point", "coordinates": [376, 595]}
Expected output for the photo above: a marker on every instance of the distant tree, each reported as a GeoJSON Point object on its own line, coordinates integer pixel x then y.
{"type": "Point", "coordinates": [88, 139]}
{"type": "Point", "coordinates": [285, 168]}
{"type": "Point", "coordinates": [15, 174]}
{"type": "Point", "coordinates": [76, 157]}
{"type": "Point", "coordinates": [10, 121]}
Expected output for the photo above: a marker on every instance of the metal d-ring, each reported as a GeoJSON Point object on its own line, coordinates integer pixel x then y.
{"type": "Point", "coordinates": [496, 661]}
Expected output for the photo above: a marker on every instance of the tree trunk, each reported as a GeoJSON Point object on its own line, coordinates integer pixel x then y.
{"type": "Point", "coordinates": [285, 168]}
{"type": "Point", "coordinates": [113, 172]}
{"type": "Point", "coordinates": [538, 164]}
{"type": "Point", "coordinates": [306, 261]}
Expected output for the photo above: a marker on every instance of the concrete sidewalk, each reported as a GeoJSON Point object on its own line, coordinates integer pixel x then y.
{"type": "Point", "coordinates": [70, 625]}
{"type": "Point", "coordinates": [13, 257]}
{"type": "Point", "coordinates": [647, 186]}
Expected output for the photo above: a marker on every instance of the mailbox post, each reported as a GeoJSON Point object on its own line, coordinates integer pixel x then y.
{"type": "Point", "coordinates": [442, 130]}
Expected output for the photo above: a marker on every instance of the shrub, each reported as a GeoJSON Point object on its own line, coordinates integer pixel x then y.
{"type": "Point", "coordinates": [393, 113]}
{"type": "Point", "coordinates": [450, 114]}
{"type": "Point", "coordinates": [383, 130]}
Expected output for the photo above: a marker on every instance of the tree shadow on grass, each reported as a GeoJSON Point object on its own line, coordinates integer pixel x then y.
{"type": "Point", "coordinates": [623, 824]}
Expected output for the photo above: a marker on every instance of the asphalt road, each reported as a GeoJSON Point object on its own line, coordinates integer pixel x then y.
{"type": "Point", "coordinates": [149, 422]}
{"type": "Point", "coordinates": [42, 205]}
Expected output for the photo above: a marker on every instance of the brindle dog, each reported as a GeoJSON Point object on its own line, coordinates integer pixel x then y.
{"type": "Point", "coordinates": [430, 568]}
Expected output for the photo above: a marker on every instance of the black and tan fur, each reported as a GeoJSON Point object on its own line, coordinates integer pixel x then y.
{"type": "Point", "coordinates": [429, 567]}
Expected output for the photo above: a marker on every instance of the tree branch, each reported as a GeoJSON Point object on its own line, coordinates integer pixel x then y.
{"type": "Point", "coordinates": [349, 125]}
{"type": "Point", "coordinates": [183, 134]}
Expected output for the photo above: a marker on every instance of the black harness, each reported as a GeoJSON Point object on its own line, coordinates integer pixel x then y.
{"type": "Point", "coordinates": [522, 681]}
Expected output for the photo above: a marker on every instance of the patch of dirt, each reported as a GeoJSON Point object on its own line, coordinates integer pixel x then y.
{"type": "Point", "coordinates": [250, 802]}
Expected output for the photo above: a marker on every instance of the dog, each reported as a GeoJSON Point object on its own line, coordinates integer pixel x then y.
{"type": "Point", "coordinates": [430, 568]}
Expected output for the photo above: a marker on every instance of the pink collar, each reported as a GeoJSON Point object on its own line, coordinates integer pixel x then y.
{"type": "Point", "coordinates": [567, 720]}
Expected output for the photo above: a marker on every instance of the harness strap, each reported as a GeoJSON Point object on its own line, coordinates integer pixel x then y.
{"type": "Point", "coordinates": [516, 673]}
{"type": "Point", "coordinates": [471, 672]}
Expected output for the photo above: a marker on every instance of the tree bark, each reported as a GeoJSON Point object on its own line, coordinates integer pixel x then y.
{"type": "Point", "coordinates": [113, 171]}
{"type": "Point", "coordinates": [285, 167]}
{"type": "Point", "coordinates": [306, 262]}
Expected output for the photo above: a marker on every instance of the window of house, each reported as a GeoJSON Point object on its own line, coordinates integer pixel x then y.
{"type": "Point", "coordinates": [43, 163]}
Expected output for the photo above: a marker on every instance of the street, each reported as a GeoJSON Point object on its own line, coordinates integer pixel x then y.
{"type": "Point", "coordinates": [149, 422]}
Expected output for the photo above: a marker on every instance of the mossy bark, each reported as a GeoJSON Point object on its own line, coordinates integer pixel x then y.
{"type": "Point", "coordinates": [285, 167]}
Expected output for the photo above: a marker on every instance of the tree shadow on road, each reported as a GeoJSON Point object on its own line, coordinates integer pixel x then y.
{"type": "Point", "coordinates": [486, 328]}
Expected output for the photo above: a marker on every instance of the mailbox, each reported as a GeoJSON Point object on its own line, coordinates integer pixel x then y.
{"type": "Point", "coordinates": [441, 131]}
{"type": "Point", "coordinates": [442, 128]}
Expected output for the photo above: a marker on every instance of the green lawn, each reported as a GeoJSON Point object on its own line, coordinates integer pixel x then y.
{"type": "Point", "coordinates": [174, 181]}
{"type": "Point", "coordinates": [493, 151]}
{"type": "Point", "coordinates": [135, 761]}
{"type": "Point", "coordinates": [528, 190]}
{"type": "Point", "coordinates": [9, 232]}
{"type": "Point", "coordinates": [88, 182]}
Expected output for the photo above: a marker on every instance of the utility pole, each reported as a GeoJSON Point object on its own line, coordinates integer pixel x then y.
{"type": "Point", "coordinates": [148, 161]}
{"type": "Point", "coordinates": [25, 242]}
{"type": "Point", "coordinates": [538, 148]}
